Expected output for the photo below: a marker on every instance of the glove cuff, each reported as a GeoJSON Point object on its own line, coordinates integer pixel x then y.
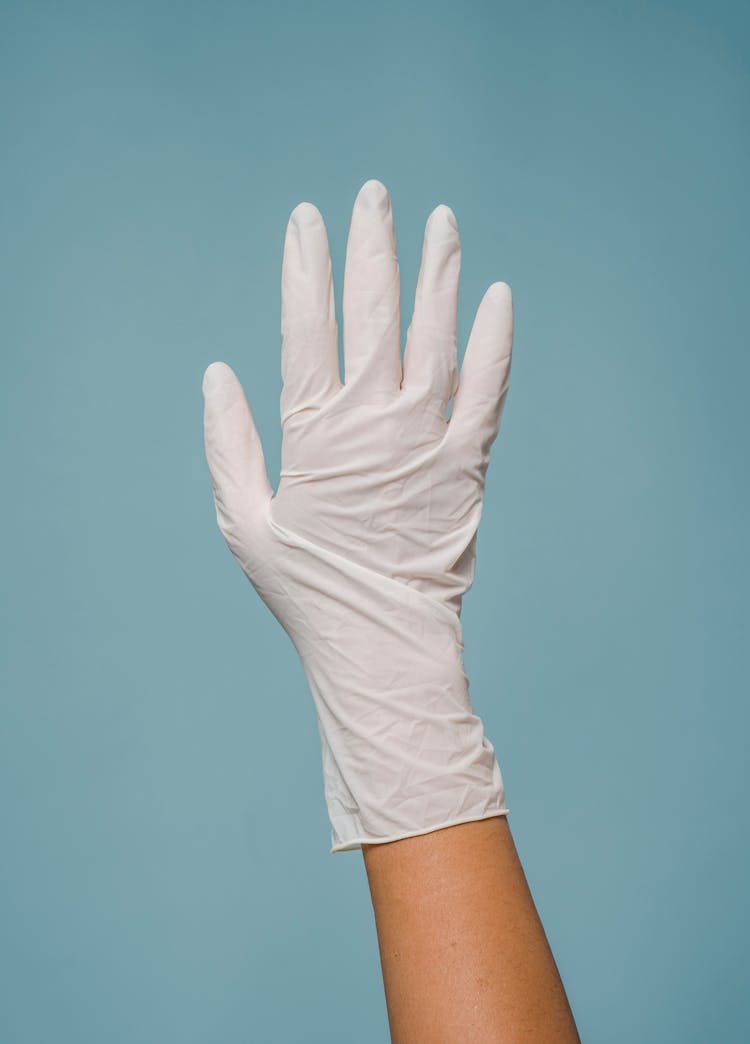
{"type": "Point", "coordinates": [403, 752]}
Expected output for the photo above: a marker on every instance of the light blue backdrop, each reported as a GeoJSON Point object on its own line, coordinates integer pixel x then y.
{"type": "Point", "coordinates": [165, 875]}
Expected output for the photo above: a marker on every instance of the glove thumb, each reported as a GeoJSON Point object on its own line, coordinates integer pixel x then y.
{"type": "Point", "coordinates": [235, 455]}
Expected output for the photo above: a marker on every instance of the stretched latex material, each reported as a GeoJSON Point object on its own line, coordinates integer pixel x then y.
{"type": "Point", "coordinates": [365, 550]}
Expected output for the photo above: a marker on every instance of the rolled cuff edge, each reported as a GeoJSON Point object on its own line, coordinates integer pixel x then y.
{"type": "Point", "coordinates": [356, 843]}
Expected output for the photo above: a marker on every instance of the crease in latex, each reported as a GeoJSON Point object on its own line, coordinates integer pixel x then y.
{"type": "Point", "coordinates": [388, 586]}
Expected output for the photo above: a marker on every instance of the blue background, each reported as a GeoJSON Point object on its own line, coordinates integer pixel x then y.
{"type": "Point", "coordinates": [165, 873]}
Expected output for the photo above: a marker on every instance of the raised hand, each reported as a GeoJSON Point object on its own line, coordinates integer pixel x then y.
{"type": "Point", "coordinates": [368, 545]}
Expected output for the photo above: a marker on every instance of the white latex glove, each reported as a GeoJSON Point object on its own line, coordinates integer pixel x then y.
{"type": "Point", "coordinates": [368, 545]}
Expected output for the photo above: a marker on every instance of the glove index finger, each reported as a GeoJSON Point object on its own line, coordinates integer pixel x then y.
{"type": "Point", "coordinates": [309, 353]}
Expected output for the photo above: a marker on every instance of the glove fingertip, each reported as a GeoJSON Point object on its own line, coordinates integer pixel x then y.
{"type": "Point", "coordinates": [217, 376]}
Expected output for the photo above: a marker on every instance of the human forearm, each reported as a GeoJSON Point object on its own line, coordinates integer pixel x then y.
{"type": "Point", "coordinates": [464, 955]}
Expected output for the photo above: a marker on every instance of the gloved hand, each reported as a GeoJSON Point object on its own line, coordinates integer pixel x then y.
{"type": "Point", "coordinates": [368, 545]}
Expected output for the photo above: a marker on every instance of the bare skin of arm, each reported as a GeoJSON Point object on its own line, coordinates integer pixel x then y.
{"type": "Point", "coordinates": [464, 956]}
